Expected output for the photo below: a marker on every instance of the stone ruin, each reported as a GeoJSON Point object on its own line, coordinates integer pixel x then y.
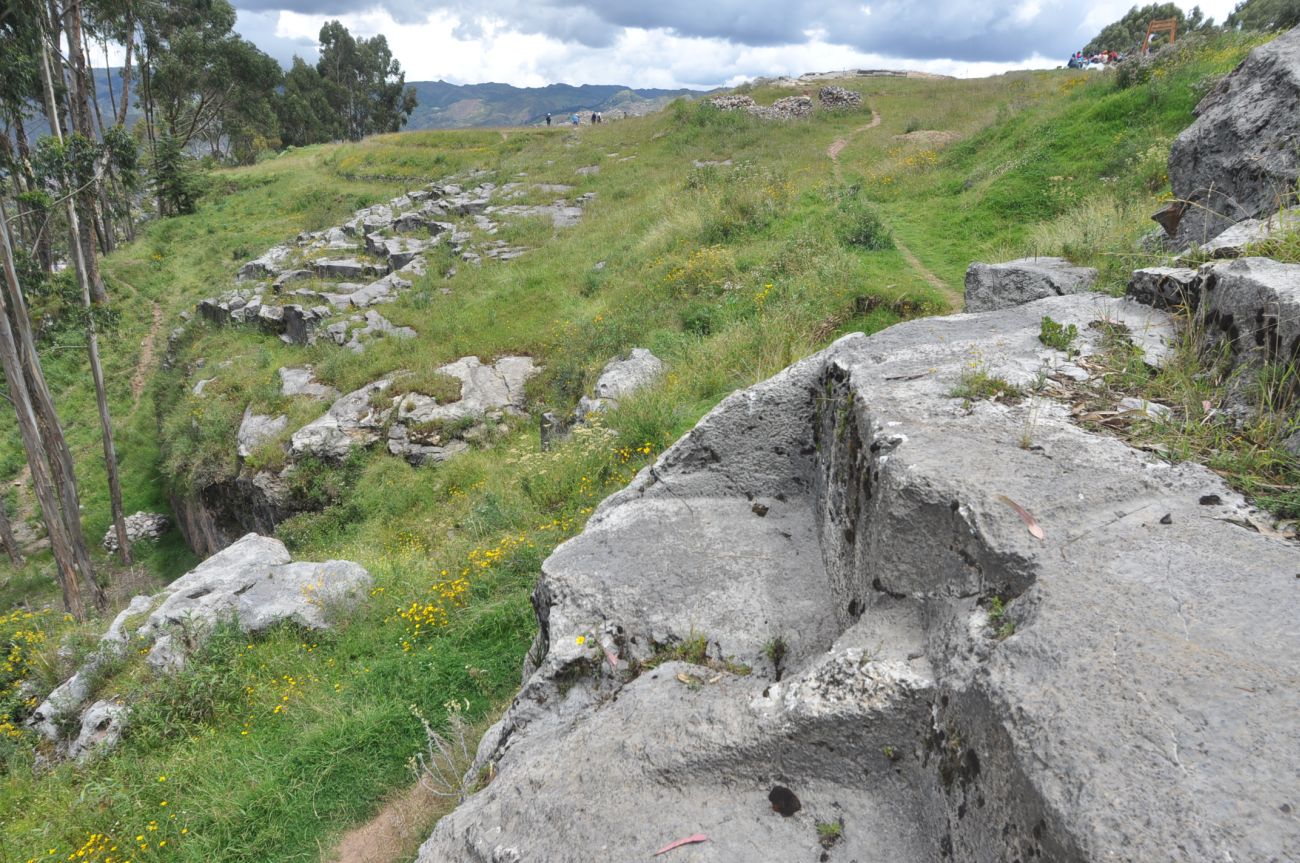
{"type": "Point", "coordinates": [838, 97]}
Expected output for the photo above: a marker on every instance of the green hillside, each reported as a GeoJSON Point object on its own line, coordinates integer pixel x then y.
{"type": "Point", "coordinates": [269, 749]}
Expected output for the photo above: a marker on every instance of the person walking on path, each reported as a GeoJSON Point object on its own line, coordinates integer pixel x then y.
{"type": "Point", "coordinates": [548, 118]}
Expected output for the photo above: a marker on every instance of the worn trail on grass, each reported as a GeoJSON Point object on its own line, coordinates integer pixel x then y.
{"type": "Point", "coordinates": [396, 830]}
{"type": "Point", "coordinates": [146, 355]}
{"type": "Point", "coordinates": [833, 151]}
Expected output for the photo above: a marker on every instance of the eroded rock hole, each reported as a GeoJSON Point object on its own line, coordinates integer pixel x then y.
{"type": "Point", "coordinates": [784, 801]}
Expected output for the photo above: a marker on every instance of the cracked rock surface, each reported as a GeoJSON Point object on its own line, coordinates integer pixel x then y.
{"type": "Point", "coordinates": [948, 686]}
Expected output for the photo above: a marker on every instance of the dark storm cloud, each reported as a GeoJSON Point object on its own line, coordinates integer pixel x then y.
{"type": "Point", "coordinates": [259, 28]}
{"type": "Point", "coordinates": [994, 30]}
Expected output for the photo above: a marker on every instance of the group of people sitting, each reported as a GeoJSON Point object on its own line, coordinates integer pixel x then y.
{"type": "Point", "coordinates": [1081, 60]}
{"type": "Point", "coordinates": [575, 119]}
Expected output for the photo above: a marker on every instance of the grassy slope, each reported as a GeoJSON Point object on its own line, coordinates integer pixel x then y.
{"type": "Point", "coordinates": [691, 254]}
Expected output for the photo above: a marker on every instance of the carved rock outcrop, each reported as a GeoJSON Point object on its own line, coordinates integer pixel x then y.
{"type": "Point", "coordinates": [903, 622]}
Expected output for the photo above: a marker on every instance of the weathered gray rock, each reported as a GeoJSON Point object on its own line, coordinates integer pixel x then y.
{"type": "Point", "coordinates": [101, 730]}
{"type": "Point", "coordinates": [620, 378]}
{"type": "Point", "coordinates": [1165, 287]}
{"type": "Point", "coordinates": [369, 220]}
{"type": "Point", "coordinates": [140, 526]}
{"type": "Point", "coordinates": [352, 421]}
{"type": "Point", "coordinates": [268, 266]}
{"type": "Point", "coordinates": [383, 290]}
{"type": "Point", "coordinates": [256, 429]}
{"type": "Point", "coordinates": [1240, 159]}
{"type": "Point", "coordinates": [376, 326]}
{"type": "Point", "coordinates": [254, 584]}
{"type": "Point", "coordinates": [1234, 241]}
{"type": "Point", "coordinates": [1127, 697]}
{"type": "Point", "coordinates": [61, 709]}
{"type": "Point", "coordinates": [485, 390]}
{"type": "Point", "coordinates": [1153, 410]}
{"type": "Point", "coordinates": [348, 268]}
{"type": "Point", "coordinates": [403, 444]}
{"type": "Point", "coordinates": [1292, 444]}
{"type": "Point", "coordinates": [588, 170]}
{"type": "Point", "coordinates": [998, 286]}
{"type": "Point", "coordinates": [399, 251]}
{"type": "Point", "coordinates": [561, 214]}
{"type": "Point", "coordinates": [301, 381]}
{"type": "Point", "coordinates": [289, 277]}
{"type": "Point", "coordinates": [1250, 310]}
{"type": "Point", "coordinates": [215, 515]}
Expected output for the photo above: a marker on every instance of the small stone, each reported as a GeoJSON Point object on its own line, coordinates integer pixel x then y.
{"type": "Point", "coordinates": [759, 509]}
{"type": "Point", "coordinates": [1167, 518]}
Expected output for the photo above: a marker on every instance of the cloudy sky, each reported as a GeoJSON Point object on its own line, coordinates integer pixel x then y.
{"type": "Point", "coordinates": [691, 43]}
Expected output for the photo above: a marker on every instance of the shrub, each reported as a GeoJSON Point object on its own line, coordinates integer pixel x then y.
{"type": "Point", "coordinates": [859, 226]}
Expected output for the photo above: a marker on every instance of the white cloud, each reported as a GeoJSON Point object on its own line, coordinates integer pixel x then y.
{"type": "Point", "coordinates": [442, 48]}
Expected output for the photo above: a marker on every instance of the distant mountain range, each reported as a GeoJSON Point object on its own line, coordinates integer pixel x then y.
{"type": "Point", "coordinates": [457, 106]}
{"type": "Point", "coordinates": [452, 106]}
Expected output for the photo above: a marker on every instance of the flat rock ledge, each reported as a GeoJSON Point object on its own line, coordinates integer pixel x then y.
{"type": "Point", "coordinates": [253, 583]}
{"type": "Point", "coordinates": [999, 286]}
{"type": "Point", "coordinates": [950, 645]}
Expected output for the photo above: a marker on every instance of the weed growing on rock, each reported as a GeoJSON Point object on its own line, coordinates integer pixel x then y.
{"type": "Point", "coordinates": [1058, 336]}
{"type": "Point", "coordinates": [978, 383]}
{"type": "Point", "coordinates": [829, 832]}
{"type": "Point", "coordinates": [1002, 625]}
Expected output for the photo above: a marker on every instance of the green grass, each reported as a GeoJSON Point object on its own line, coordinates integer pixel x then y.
{"type": "Point", "coordinates": [727, 273]}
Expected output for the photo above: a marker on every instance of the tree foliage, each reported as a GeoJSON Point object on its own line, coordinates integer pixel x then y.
{"type": "Point", "coordinates": [1265, 15]}
{"type": "Point", "coordinates": [356, 89]}
{"type": "Point", "coordinates": [1126, 34]}
{"type": "Point", "coordinates": [207, 82]}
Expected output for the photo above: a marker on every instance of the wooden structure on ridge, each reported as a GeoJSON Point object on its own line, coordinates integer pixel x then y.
{"type": "Point", "coordinates": [1158, 26]}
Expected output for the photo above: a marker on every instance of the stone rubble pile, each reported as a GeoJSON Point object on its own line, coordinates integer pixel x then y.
{"type": "Point", "coordinates": [788, 108]}
{"type": "Point", "coordinates": [139, 527]}
{"type": "Point", "coordinates": [838, 97]}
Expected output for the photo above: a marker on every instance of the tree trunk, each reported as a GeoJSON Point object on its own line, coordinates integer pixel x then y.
{"type": "Point", "coordinates": [101, 399]}
{"type": "Point", "coordinates": [126, 67]}
{"type": "Point", "coordinates": [7, 537]}
{"type": "Point", "coordinates": [79, 111]}
{"type": "Point", "coordinates": [32, 442]}
{"type": "Point", "coordinates": [61, 459]}
{"type": "Point", "coordinates": [27, 179]}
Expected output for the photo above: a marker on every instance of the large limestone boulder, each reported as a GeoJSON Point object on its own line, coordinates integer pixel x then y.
{"type": "Point", "coordinates": [998, 286]}
{"type": "Point", "coordinates": [255, 583]}
{"type": "Point", "coordinates": [1250, 308]}
{"type": "Point", "coordinates": [257, 429]}
{"type": "Point", "coordinates": [903, 622]}
{"type": "Point", "coordinates": [620, 378]}
{"type": "Point", "coordinates": [301, 381]}
{"type": "Point", "coordinates": [1241, 157]}
{"type": "Point", "coordinates": [352, 421]}
{"type": "Point", "coordinates": [484, 390]}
